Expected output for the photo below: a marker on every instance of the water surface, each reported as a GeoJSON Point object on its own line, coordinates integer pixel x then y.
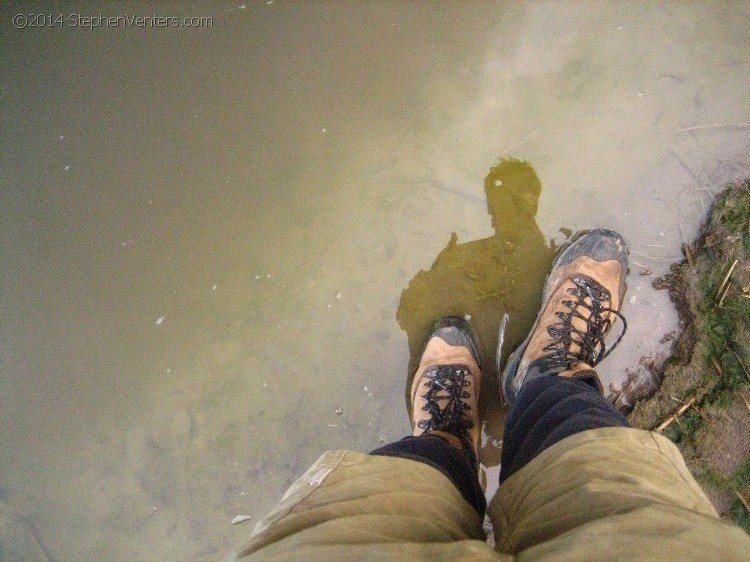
{"type": "Point", "coordinates": [206, 232]}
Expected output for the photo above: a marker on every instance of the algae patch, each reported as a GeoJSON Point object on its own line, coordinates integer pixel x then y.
{"type": "Point", "coordinates": [703, 403]}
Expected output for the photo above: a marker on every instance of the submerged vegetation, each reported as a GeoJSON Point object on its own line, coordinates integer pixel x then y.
{"type": "Point", "coordinates": [703, 403]}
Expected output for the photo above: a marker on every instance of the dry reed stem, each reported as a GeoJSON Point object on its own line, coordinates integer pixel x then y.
{"type": "Point", "coordinates": [674, 416]}
{"type": "Point", "coordinates": [726, 278]}
{"type": "Point", "coordinates": [716, 126]}
{"type": "Point", "coordinates": [726, 292]}
{"type": "Point", "coordinates": [698, 411]}
{"type": "Point", "coordinates": [718, 367]}
{"type": "Point", "coordinates": [740, 362]}
{"type": "Point", "coordinates": [743, 500]}
{"type": "Point", "coordinates": [747, 404]}
{"type": "Point", "coordinates": [689, 255]}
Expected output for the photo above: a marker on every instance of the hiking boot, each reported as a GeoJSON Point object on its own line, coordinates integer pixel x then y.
{"type": "Point", "coordinates": [582, 297]}
{"type": "Point", "coordinates": [445, 390]}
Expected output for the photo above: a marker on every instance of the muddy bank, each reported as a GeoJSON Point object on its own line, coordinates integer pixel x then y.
{"type": "Point", "coordinates": [703, 399]}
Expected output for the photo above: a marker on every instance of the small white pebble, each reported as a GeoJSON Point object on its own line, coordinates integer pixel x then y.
{"type": "Point", "coordinates": [67, 168]}
{"type": "Point", "coordinates": [241, 7]}
{"type": "Point", "coordinates": [640, 94]}
{"type": "Point", "coordinates": [619, 28]}
{"type": "Point", "coordinates": [62, 137]}
{"type": "Point", "coordinates": [631, 300]}
{"type": "Point", "coordinates": [159, 320]}
{"type": "Point", "coordinates": [241, 519]}
{"type": "Point", "coordinates": [498, 183]}
{"type": "Point", "coordinates": [257, 276]}
{"type": "Point", "coordinates": [213, 288]}
{"type": "Point", "coordinates": [338, 295]}
{"type": "Point", "coordinates": [365, 388]}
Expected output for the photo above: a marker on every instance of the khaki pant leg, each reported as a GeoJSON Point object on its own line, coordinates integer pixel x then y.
{"type": "Point", "coordinates": [611, 494]}
{"type": "Point", "coordinates": [352, 506]}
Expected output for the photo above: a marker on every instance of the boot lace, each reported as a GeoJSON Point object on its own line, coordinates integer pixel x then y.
{"type": "Point", "coordinates": [446, 389]}
{"type": "Point", "coordinates": [587, 306]}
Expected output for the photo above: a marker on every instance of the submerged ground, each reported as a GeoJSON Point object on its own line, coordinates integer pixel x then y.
{"type": "Point", "coordinates": [206, 231]}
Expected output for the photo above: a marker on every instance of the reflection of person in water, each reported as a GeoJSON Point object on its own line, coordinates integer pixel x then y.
{"type": "Point", "coordinates": [486, 278]}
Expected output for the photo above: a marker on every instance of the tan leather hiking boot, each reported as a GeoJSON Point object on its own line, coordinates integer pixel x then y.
{"type": "Point", "coordinates": [581, 299]}
{"type": "Point", "coordinates": [445, 390]}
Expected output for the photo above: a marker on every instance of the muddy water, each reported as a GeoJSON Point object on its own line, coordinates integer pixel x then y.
{"type": "Point", "coordinates": [206, 232]}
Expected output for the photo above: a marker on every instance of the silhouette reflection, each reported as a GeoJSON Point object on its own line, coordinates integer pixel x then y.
{"type": "Point", "coordinates": [486, 278]}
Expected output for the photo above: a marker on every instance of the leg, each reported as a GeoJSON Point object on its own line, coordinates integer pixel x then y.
{"type": "Point", "coordinates": [548, 410]}
{"type": "Point", "coordinates": [351, 506]}
{"type": "Point", "coordinates": [550, 381]}
{"type": "Point", "coordinates": [460, 465]}
{"type": "Point", "coordinates": [577, 482]}
{"type": "Point", "coordinates": [444, 417]}
{"type": "Point", "coordinates": [444, 400]}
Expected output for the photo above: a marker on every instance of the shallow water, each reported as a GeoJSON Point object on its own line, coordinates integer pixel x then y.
{"type": "Point", "coordinates": [206, 232]}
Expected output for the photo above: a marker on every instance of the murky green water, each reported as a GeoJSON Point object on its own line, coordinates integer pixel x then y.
{"type": "Point", "coordinates": [206, 232]}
